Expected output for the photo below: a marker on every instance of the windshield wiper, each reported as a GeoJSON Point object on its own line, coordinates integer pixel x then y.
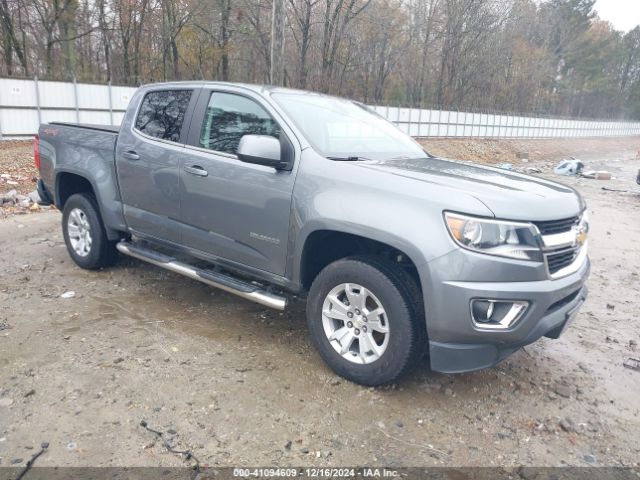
{"type": "Point", "coordinates": [348, 159]}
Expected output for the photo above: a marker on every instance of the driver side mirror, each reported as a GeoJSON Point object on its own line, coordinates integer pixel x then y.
{"type": "Point", "coordinates": [262, 150]}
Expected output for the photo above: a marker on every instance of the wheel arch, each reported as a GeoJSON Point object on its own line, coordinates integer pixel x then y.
{"type": "Point", "coordinates": [322, 246]}
{"type": "Point", "coordinates": [69, 183]}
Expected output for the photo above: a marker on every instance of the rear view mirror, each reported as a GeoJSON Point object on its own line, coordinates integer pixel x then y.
{"type": "Point", "coordinates": [262, 150]}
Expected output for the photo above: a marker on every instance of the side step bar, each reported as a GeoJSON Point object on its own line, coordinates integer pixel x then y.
{"type": "Point", "coordinates": [215, 279]}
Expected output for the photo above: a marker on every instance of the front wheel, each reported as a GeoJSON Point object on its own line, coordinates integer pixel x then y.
{"type": "Point", "coordinates": [365, 319]}
{"type": "Point", "coordinates": [84, 233]}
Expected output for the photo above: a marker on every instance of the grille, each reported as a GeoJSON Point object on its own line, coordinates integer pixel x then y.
{"type": "Point", "coordinates": [557, 260]}
{"type": "Point", "coordinates": [557, 226]}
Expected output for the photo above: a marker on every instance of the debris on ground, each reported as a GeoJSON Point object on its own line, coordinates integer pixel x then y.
{"type": "Point", "coordinates": [571, 166]}
{"type": "Point", "coordinates": [597, 175]}
{"type": "Point", "coordinates": [43, 448]}
{"type": "Point", "coordinates": [187, 453]}
{"type": "Point", "coordinates": [563, 390]}
{"type": "Point", "coordinates": [568, 425]}
{"type": "Point", "coordinates": [16, 203]}
{"type": "Point", "coordinates": [18, 175]}
{"type": "Point", "coordinates": [632, 363]}
{"type": "Point", "coordinates": [505, 166]}
{"type": "Point", "coordinates": [69, 294]}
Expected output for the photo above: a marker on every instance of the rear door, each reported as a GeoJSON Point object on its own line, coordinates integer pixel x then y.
{"type": "Point", "coordinates": [234, 211]}
{"type": "Point", "coordinates": [148, 156]}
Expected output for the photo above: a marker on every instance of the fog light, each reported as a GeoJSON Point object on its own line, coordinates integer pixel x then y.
{"type": "Point", "coordinates": [482, 310]}
{"type": "Point", "coordinates": [496, 314]}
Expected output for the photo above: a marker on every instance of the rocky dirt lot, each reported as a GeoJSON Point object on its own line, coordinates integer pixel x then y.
{"type": "Point", "coordinates": [241, 385]}
{"type": "Point", "coordinates": [18, 177]}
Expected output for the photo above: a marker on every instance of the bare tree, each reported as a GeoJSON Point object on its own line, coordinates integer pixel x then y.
{"type": "Point", "coordinates": [10, 40]}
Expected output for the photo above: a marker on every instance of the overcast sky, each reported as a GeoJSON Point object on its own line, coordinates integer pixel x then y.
{"type": "Point", "coordinates": [623, 14]}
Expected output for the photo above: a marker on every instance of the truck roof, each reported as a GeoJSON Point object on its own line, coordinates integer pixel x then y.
{"type": "Point", "coordinates": [249, 86]}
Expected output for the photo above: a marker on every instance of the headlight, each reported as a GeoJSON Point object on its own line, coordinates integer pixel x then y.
{"type": "Point", "coordinates": [495, 237]}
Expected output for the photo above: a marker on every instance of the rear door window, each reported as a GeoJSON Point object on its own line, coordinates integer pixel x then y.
{"type": "Point", "coordinates": [162, 112]}
{"type": "Point", "coordinates": [229, 117]}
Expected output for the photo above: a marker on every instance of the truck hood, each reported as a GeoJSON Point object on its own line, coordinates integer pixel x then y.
{"type": "Point", "coordinates": [509, 195]}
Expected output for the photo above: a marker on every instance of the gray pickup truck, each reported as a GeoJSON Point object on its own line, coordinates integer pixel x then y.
{"type": "Point", "coordinates": [270, 193]}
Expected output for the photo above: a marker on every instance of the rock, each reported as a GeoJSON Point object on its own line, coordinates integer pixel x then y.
{"type": "Point", "coordinates": [29, 393]}
{"type": "Point", "coordinates": [610, 306]}
{"type": "Point", "coordinates": [304, 450]}
{"type": "Point", "coordinates": [34, 197]}
{"type": "Point", "coordinates": [590, 459]}
{"type": "Point", "coordinates": [9, 197]}
{"type": "Point", "coordinates": [118, 360]}
{"type": "Point", "coordinates": [69, 294]}
{"type": "Point", "coordinates": [172, 431]}
{"type": "Point", "coordinates": [563, 390]}
{"type": "Point", "coordinates": [399, 424]}
{"type": "Point", "coordinates": [16, 461]}
{"type": "Point", "coordinates": [6, 402]}
{"type": "Point", "coordinates": [287, 446]}
{"type": "Point", "coordinates": [567, 425]}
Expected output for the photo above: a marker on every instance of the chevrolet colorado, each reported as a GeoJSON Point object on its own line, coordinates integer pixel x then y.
{"type": "Point", "coordinates": [270, 193]}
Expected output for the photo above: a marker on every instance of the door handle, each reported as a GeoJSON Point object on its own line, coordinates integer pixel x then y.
{"type": "Point", "coordinates": [196, 170]}
{"type": "Point", "coordinates": [131, 155]}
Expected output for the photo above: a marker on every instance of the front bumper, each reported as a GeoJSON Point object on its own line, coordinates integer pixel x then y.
{"type": "Point", "coordinates": [456, 345]}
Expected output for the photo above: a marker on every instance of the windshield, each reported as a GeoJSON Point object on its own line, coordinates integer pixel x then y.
{"type": "Point", "coordinates": [342, 128]}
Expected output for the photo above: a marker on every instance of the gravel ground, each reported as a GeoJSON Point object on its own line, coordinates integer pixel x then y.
{"type": "Point", "coordinates": [241, 385]}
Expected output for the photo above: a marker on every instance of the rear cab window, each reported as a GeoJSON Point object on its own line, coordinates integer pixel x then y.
{"type": "Point", "coordinates": [162, 112]}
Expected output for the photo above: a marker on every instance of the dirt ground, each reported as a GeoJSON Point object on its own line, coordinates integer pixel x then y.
{"type": "Point", "coordinates": [240, 385]}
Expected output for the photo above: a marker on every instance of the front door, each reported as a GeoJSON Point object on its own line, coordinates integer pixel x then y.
{"type": "Point", "coordinates": [148, 156]}
{"type": "Point", "coordinates": [232, 210]}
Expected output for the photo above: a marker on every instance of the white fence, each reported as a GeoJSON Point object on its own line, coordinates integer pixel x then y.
{"type": "Point", "coordinates": [442, 123]}
{"type": "Point", "coordinates": [24, 104]}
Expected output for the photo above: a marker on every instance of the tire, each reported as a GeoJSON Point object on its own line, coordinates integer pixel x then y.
{"type": "Point", "coordinates": [386, 285]}
{"type": "Point", "coordinates": [92, 250]}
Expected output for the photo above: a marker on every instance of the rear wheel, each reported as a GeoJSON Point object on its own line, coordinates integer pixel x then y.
{"type": "Point", "coordinates": [84, 233]}
{"type": "Point", "coordinates": [365, 319]}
